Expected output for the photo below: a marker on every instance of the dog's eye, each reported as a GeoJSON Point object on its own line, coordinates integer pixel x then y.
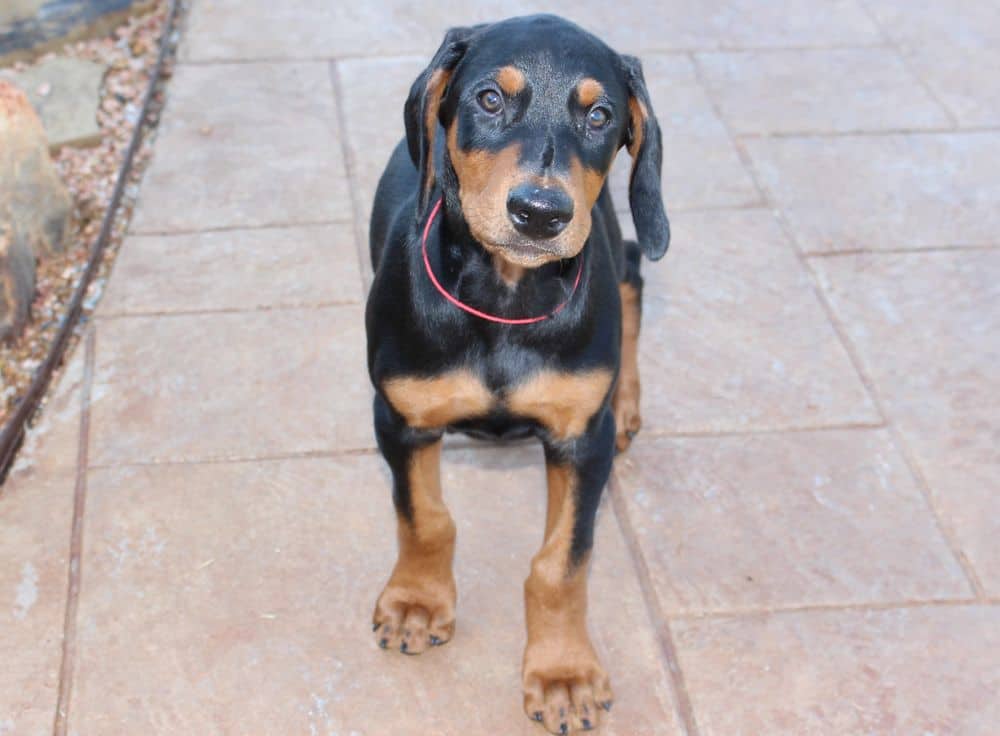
{"type": "Point", "coordinates": [598, 117]}
{"type": "Point", "coordinates": [490, 101]}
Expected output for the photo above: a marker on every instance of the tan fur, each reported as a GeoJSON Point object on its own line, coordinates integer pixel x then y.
{"type": "Point", "coordinates": [511, 80]}
{"type": "Point", "coordinates": [435, 88]}
{"type": "Point", "coordinates": [589, 91]}
{"type": "Point", "coordinates": [638, 113]}
{"type": "Point", "coordinates": [430, 403]}
{"type": "Point", "coordinates": [626, 399]}
{"type": "Point", "coordinates": [509, 273]}
{"type": "Point", "coordinates": [562, 677]}
{"type": "Point", "coordinates": [418, 602]}
{"type": "Point", "coordinates": [562, 402]}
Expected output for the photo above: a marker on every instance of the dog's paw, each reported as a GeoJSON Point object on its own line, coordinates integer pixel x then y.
{"type": "Point", "coordinates": [566, 701]}
{"type": "Point", "coordinates": [628, 421]}
{"type": "Point", "coordinates": [413, 621]}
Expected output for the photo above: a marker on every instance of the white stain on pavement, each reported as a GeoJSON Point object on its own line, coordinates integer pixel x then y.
{"type": "Point", "coordinates": [27, 591]}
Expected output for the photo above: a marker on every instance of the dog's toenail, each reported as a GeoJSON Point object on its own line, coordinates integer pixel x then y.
{"type": "Point", "coordinates": [563, 728]}
{"type": "Point", "coordinates": [538, 716]}
{"type": "Point", "coordinates": [630, 433]}
{"type": "Point", "coordinates": [586, 724]}
{"type": "Point", "coordinates": [384, 643]}
{"type": "Point", "coordinates": [435, 641]}
{"type": "Point", "coordinates": [606, 705]}
{"type": "Point", "coordinates": [403, 647]}
{"type": "Point", "coordinates": [375, 627]}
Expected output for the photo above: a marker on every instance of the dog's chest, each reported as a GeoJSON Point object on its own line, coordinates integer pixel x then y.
{"type": "Point", "coordinates": [561, 402]}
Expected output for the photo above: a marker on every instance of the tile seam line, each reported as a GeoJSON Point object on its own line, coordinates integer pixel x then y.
{"type": "Point", "coordinates": [654, 610]}
{"type": "Point", "coordinates": [659, 51]}
{"type": "Point", "coordinates": [74, 572]}
{"type": "Point", "coordinates": [905, 61]}
{"type": "Point", "coordinates": [350, 167]}
{"type": "Point", "coordinates": [903, 251]}
{"type": "Point", "coordinates": [291, 225]}
{"type": "Point", "coordinates": [654, 433]}
{"type": "Point", "coordinates": [916, 473]}
{"type": "Point", "coordinates": [305, 306]}
{"type": "Point", "coordinates": [866, 133]}
{"type": "Point", "coordinates": [750, 612]}
{"type": "Point", "coordinates": [236, 460]}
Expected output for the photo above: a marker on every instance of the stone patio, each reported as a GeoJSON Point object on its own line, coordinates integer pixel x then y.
{"type": "Point", "coordinates": [803, 539]}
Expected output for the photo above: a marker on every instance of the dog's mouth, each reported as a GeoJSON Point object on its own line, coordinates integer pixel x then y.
{"type": "Point", "coordinates": [528, 253]}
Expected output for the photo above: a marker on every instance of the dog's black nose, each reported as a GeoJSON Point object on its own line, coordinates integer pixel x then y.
{"type": "Point", "coordinates": [539, 212]}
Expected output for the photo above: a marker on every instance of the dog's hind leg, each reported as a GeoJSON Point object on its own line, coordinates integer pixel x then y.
{"type": "Point", "coordinates": [628, 420]}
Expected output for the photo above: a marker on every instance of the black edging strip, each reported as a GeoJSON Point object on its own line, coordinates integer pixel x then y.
{"type": "Point", "coordinates": [12, 433]}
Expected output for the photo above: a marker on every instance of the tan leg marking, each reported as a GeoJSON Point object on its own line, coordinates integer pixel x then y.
{"type": "Point", "coordinates": [417, 607]}
{"type": "Point", "coordinates": [433, 403]}
{"type": "Point", "coordinates": [628, 420]}
{"type": "Point", "coordinates": [565, 685]}
{"type": "Point", "coordinates": [562, 402]}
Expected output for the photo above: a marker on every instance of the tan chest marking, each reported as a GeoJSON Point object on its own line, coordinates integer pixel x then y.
{"type": "Point", "coordinates": [429, 403]}
{"type": "Point", "coordinates": [562, 402]}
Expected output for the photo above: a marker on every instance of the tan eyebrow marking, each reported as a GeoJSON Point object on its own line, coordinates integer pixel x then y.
{"type": "Point", "coordinates": [511, 80]}
{"type": "Point", "coordinates": [589, 91]}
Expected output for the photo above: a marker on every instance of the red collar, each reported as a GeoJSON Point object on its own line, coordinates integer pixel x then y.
{"type": "Point", "coordinates": [483, 315]}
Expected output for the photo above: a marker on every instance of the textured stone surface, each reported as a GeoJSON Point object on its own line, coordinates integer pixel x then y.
{"type": "Point", "coordinates": [733, 336]}
{"type": "Point", "coordinates": [265, 151]}
{"type": "Point", "coordinates": [879, 192]}
{"type": "Point", "coordinates": [955, 46]}
{"type": "Point", "coordinates": [276, 576]}
{"type": "Point", "coordinates": [256, 29]}
{"type": "Point", "coordinates": [912, 671]}
{"type": "Point", "coordinates": [784, 520]}
{"type": "Point", "coordinates": [277, 267]}
{"type": "Point", "coordinates": [264, 383]}
{"type": "Point", "coordinates": [818, 91]}
{"type": "Point", "coordinates": [928, 330]}
{"type": "Point", "coordinates": [32, 197]}
{"type": "Point", "coordinates": [17, 281]}
{"type": "Point", "coordinates": [65, 92]}
{"type": "Point", "coordinates": [36, 513]}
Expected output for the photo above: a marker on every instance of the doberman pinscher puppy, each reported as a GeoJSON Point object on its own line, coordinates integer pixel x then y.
{"type": "Point", "coordinates": [506, 304]}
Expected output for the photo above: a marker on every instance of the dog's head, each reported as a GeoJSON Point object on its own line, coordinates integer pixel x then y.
{"type": "Point", "coordinates": [534, 111]}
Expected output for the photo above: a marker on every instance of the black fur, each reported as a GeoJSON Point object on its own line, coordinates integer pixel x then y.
{"type": "Point", "coordinates": [414, 331]}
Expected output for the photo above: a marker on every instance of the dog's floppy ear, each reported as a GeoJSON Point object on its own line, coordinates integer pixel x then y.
{"type": "Point", "coordinates": [421, 111]}
{"type": "Point", "coordinates": [646, 149]}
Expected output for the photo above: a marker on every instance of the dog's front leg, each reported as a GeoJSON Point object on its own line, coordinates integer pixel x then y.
{"type": "Point", "coordinates": [417, 607]}
{"type": "Point", "coordinates": [564, 683]}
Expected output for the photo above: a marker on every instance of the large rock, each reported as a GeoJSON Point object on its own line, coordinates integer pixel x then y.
{"type": "Point", "coordinates": [34, 206]}
{"type": "Point", "coordinates": [32, 197]}
{"type": "Point", "coordinates": [17, 282]}
{"type": "Point", "coordinates": [65, 93]}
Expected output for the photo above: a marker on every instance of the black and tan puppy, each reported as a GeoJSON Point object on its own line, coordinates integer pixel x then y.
{"type": "Point", "coordinates": [506, 304]}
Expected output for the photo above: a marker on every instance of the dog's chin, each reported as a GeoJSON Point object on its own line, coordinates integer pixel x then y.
{"type": "Point", "coordinates": [529, 253]}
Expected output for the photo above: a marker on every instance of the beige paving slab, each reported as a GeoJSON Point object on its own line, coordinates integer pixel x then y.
{"type": "Point", "coordinates": [36, 516]}
{"type": "Point", "coordinates": [226, 597]}
{"type": "Point", "coordinates": [955, 47]}
{"type": "Point", "coordinates": [754, 522]}
{"type": "Point", "coordinates": [928, 331]}
{"type": "Point", "coordinates": [928, 670]}
{"type": "Point", "coordinates": [245, 145]}
{"type": "Point", "coordinates": [237, 29]}
{"type": "Point", "coordinates": [700, 165]}
{"type": "Point", "coordinates": [235, 269]}
{"type": "Point", "coordinates": [818, 90]}
{"type": "Point", "coordinates": [733, 335]}
{"type": "Point", "coordinates": [230, 385]}
{"type": "Point", "coordinates": [884, 191]}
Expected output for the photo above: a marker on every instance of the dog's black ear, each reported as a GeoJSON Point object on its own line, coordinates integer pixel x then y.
{"type": "Point", "coordinates": [646, 149]}
{"type": "Point", "coordinates": [420, 113]}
